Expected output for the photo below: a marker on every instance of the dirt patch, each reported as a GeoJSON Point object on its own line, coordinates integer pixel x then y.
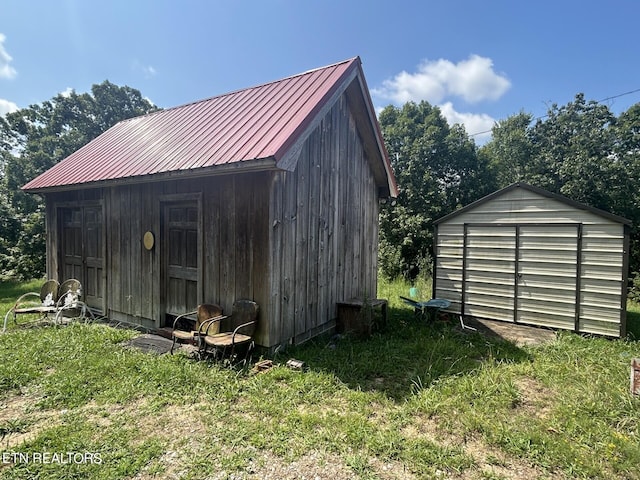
{"type": "Point", "coordinates": [520, 335]}
{"type": "Point", "coordinates": [489, 461]}
{"type": "Point", "coordinates": [23, 421]}
{"type": "Point", "coordinates": [535, 398]}
{"type": "Point", "coordinates": [181, 429]}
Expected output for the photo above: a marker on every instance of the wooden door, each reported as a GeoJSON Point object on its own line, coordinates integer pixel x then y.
{"type": "Point", "coordinates": [82, 253]}
{"type": "Point", "coordinates": [181, 254]}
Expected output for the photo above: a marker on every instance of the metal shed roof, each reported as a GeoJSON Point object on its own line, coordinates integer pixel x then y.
{"type": "Point", "coordinates": [249, 128]}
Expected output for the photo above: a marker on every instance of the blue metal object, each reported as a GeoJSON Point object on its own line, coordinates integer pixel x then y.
{"type": "Point", "coordinates": [428, 309]}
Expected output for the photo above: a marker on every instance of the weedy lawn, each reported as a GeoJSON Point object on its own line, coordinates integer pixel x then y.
{"type": "Point", "coordinates": [413, 401]}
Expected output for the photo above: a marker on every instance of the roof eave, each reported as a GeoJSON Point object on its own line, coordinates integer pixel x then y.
{"type": "Point", "coordinates": [246, 166]}
{"type": "Point", "coordinates": [288, 153]}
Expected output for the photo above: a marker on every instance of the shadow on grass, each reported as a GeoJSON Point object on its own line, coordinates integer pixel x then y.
{"type": "Point", "coordinates": [409, 354]}
{"type": "Point", "coordinates": [633, 324]}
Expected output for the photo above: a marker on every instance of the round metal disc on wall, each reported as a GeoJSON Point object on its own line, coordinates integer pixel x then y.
{"type": "Point", "coordinates": [148, 240]}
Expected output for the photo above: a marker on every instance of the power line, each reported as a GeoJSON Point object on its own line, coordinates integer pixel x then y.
{"type": "Point", "coordinates": [546, 115]}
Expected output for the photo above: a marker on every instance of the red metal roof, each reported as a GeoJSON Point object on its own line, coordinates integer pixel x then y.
{"type": "Point", "coordinates": [257, 123]}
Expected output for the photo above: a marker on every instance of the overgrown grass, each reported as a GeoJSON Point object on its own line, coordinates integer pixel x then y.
{"type": "Point", "coordinates": [409, 402]}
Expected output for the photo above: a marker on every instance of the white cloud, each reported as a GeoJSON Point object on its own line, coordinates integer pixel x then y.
{"type": "Point", "coordinates": [147, 70]}
{"type": "Point", "coordinates": [473, 80]}
{"type": "Point", "coordinates": [439, 81]}
{"type": "Point", "coordinates": [6, 70]}
{"type": "Point", "coordinates": [7, 107]}
{"type": "Point", "coordinates": [477, 124]}
{"type": "Point", "coordinates": [67, 92]}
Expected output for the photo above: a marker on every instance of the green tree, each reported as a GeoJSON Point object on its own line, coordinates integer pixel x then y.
{"type": "Point", "coordinates": [34, 139]}
{"type": "Point", "coordinates": [437, 169]}
{"type": "Point", "coordinates": [572, 148]}
{"type": "Point", "coordinates": [509, 152]}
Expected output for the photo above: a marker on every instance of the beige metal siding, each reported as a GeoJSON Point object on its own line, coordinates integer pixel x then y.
{"type": "Point", "coordinates": [529, 258]}
{"type": "Point", "coordinates": [547, 268]}
{"type": "Point", "coordinates": [489, 272]}
{"type": "Point", "coordinates": [601, 278]}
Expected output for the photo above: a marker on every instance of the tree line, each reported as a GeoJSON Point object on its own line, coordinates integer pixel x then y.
{"type": "Point", "coordinates": [580, 150]}
{"type": "Point", "coordinates": [32, 140]}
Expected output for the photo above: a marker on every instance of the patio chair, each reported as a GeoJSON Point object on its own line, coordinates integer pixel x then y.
{"type": "Point", "coordinates": [42, 303]}
{"type": "Point", "coordinates": [69, 302]}
{"type": "Point", "coordinates": [185, 330]}
{"type": "Point", "coordinates": [237, 331]}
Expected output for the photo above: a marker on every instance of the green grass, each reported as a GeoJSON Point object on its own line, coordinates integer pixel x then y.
{"type": "Point", "coordinates": [412, 401]}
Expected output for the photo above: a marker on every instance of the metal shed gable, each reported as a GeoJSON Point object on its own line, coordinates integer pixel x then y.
{"type": "Point", "coordinates": [524, 255]}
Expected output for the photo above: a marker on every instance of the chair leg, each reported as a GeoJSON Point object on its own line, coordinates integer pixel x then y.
{"type": "Point", "coordinates": [6, 317]}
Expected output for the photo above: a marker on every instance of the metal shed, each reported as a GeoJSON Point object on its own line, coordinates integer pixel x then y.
{"type": "Point", "coordinates": [528, 256]}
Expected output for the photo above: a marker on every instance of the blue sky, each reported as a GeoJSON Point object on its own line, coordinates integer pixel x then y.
{"type": "Point", "coordinates": [479, 61]}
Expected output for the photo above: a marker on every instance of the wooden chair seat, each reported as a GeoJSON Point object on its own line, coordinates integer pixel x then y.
{"type": "Point", "coordinates": [226, 339]}
{"type": "Point", "coordinates": [40, 309]}
{"type": "Point", "coordinates": [184, 335]}
{"type": "Point", "coordinates": [204, 312]}
{"type": "Point", "coordinates": [238, 330]}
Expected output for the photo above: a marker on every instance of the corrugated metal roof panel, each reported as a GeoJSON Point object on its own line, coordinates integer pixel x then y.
{"type": "Point", "coordinates": [255, 123]}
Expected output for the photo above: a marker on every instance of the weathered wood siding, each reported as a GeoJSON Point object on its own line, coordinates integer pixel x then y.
{"type": "Point", "coordinates": [324, 230]}
{"type": "Point", "coordinates": [297, 242]}
{"type": "Point", "coordinates": [234, 212]}
{"type": "Point", "coordinates": [527, 258]}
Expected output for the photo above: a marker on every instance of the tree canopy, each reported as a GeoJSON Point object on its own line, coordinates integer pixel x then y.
{"type": "Point", "coordinates": [580, 150]}
{"type": "Point", "coordinates": [35, 138]}
{"type": "Point", "coordinates": [437, 169]}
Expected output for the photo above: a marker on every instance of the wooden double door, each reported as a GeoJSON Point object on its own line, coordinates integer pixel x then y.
{"type": "Point", "coordinates": [82, 253]}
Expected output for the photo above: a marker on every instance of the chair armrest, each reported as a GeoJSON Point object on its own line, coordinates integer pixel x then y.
{"type": "Point", "coordinates": [25, 295]}
{"type": "Point", "coordinates": [233, 336]}
{"type": "Point", "coordinates": [204, 326]}
{"type": "Point", "coordinates": [179, 317]}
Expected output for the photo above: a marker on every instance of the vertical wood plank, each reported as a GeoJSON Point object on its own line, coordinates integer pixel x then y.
{"type": "Point", "coordinates": [242, 239]}
{"type": "Point", "coordinates": [276, 332]}
{"type": "Point", "coordinates": [115, 256]}
{"type": "Point", "coordinates": [146, 256]}
{"type": "Point", "coordinates": [290, 254]}
{"type": "Point", "coordinates": [228, 243]}
{"type": "Point", "coordinates": [259, 244]}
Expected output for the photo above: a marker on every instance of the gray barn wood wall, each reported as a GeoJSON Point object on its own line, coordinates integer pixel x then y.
{"type": "Point", "coordinates": [324, 230]}
{"type": "Point", "coordinates": [234, 240]}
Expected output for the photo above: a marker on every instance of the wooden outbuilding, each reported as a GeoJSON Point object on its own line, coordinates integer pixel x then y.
{"type": "Point", "coordinates": [528, 256]}
{"type": "Point", "coordinates": [269, 193]}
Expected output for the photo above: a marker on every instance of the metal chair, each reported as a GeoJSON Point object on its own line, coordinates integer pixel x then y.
{"type": "Point", "coordinates": [40, 303]}
{"type": "Point", "coordinates": [69, 302]}
{"type": "Point", "coordinates": [225, 335]}
{"type": "Point", "coordinates": [182, 333]}
{"type": "Point", "coordinates": [427, 310]}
